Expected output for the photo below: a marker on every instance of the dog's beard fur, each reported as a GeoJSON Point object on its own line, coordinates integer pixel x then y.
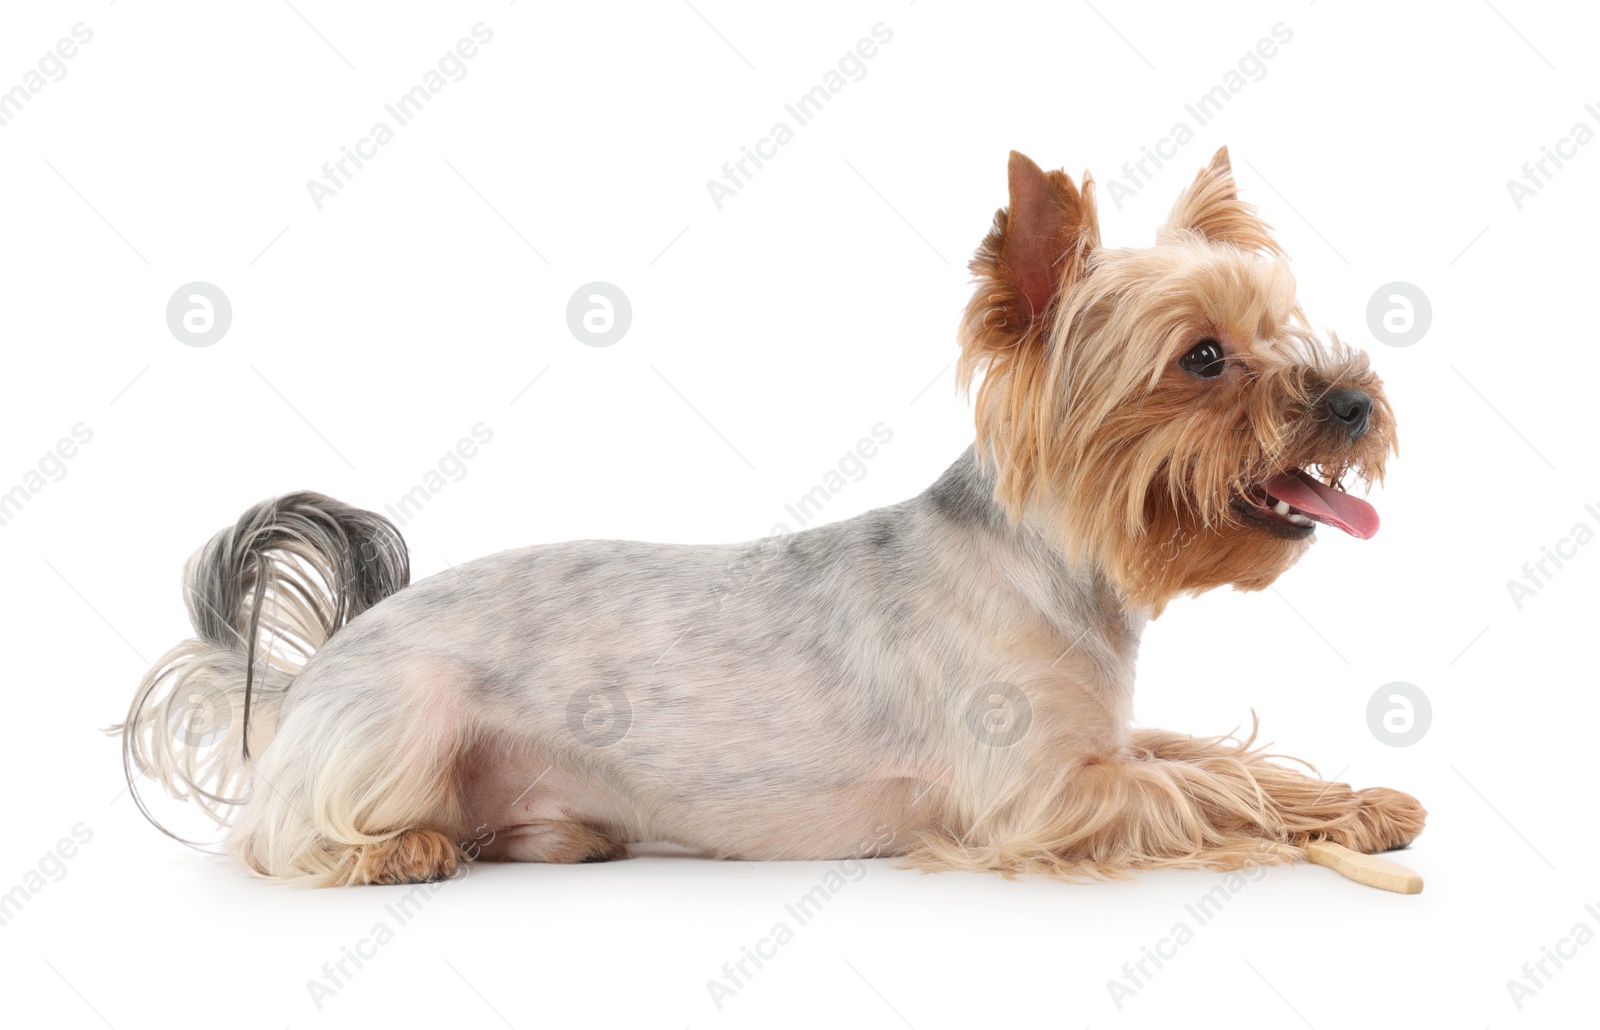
{"type": "Point", "coordinates": [1098, 437]}
{"type": "Point", "coordinates": [827, 695]}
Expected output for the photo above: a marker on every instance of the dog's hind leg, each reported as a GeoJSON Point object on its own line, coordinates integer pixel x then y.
{"type": "Point", "coordinates": [554, 841]}
{"type": "Point", "coordinates": [413, 856]}
{"type": "Point", "coordinates": [360, 785]}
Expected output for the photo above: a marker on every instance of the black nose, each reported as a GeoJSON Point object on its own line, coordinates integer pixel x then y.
{"type": "Point", "coordinates": [1350, 409]}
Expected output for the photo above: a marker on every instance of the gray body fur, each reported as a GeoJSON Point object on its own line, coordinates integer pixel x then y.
{"type": "Point", "coordinates": [806, 697]}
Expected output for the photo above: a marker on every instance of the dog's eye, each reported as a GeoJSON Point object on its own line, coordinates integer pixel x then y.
{"type": "Point", "coordinates": [1205, 360]}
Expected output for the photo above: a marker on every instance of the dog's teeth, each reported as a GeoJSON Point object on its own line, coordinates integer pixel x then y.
{"type": "Point", "coordinates": [1282, 508]}
{"type": "Point", "coordinates": [1299, 519]}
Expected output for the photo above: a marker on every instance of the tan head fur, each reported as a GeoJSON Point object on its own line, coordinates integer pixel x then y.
{"type": "Point", "coordinates": [1137, 458]}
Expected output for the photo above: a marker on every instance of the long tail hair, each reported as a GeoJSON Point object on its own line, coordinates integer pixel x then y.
{"type": "Point", "coordinates": [262, 595]}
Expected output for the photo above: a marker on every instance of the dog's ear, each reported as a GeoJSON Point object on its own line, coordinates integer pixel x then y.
{"type": "Point", "coordinates": [1035, 248]}
{"type": "Point", "coordinates": [1025, 267]}
{"type": "Point", "coordinates": [1211, 207]}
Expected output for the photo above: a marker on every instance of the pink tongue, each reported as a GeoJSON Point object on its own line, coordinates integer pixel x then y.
{"type": "Point", "coordinates": [1324, 504]}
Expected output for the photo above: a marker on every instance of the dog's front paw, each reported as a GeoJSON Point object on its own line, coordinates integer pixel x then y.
{"type": "Point", "coordinates": [1384, 819]}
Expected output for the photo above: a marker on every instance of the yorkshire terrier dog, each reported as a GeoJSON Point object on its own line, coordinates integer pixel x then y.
{"type": "Point", "coordinates": [948, 679]}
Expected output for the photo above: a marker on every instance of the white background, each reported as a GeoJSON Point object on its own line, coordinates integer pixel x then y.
{"type": "Point", "coordinates": [767, 337]}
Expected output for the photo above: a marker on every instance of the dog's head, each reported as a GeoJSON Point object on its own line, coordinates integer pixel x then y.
{"type": "Point", "coordinates": [1164, 413]}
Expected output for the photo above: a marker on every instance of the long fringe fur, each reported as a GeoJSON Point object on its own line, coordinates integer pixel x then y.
{"type": "Point", "coordinates": [1176, 802]}
{"type": "Point", "coordinates": [262, 595]}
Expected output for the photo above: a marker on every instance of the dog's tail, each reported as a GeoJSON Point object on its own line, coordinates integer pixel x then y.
{"type": "Point", "coordinates": [262, 595]}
